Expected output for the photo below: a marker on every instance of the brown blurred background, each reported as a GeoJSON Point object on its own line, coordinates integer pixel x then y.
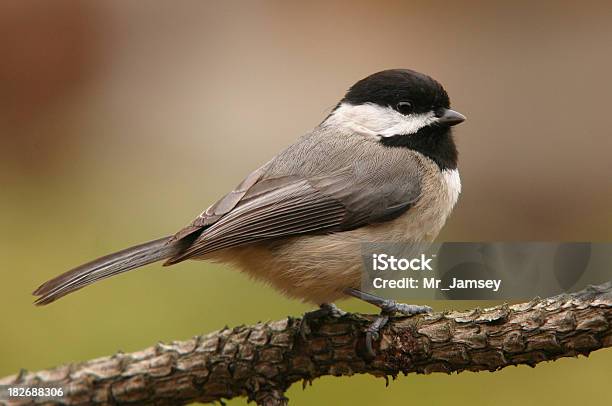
{"type": "Point", "coordinates": [120, 121]}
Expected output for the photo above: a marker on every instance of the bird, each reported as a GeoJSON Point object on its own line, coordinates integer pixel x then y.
{"type": "Point", "coordinates": [381, 167]}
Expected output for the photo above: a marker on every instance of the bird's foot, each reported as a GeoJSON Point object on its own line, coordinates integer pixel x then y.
{"type": "Point", "coordinates": [325, 310]}
{"type": "Point", "coordinates": [388, 308]}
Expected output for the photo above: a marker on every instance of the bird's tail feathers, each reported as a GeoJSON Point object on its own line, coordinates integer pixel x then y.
{"type": "Point", "coordinates": [107, 266]}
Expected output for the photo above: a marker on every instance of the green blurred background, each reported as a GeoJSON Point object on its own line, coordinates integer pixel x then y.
{"type": "Point", "coordinates": [121, 120]}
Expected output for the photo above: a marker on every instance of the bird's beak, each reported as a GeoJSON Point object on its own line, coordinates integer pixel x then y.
{"type": "Point", "coordinates": [451, 117]}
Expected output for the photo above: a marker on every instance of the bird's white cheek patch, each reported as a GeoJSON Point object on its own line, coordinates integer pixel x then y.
{"type": "Point", "coordinates": [374, 120]}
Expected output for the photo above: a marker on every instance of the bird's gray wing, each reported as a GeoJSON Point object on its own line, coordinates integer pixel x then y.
{"type": "Point", "coordinates": [281, 206]}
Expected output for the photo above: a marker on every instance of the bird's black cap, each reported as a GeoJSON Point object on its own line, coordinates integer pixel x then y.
{"type": "Point", "coordinates": [390, 87]}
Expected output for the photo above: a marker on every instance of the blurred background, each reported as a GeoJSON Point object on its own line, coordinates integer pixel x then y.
{"type": "Point", "coordinates": [121, 120]}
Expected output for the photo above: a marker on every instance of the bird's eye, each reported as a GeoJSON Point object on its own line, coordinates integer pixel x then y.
{"type": "Point", "coordinates": [404, 107]}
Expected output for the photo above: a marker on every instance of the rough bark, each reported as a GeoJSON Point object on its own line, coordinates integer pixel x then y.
{"type": "Point", "coordinates": [263, 360]}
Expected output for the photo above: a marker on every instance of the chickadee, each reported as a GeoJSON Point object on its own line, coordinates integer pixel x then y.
{"type": "Point", "coordinates": [382, 167]}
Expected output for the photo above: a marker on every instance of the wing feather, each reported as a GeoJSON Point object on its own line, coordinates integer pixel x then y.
{"type": "Point", "coordinates": [291, 207]}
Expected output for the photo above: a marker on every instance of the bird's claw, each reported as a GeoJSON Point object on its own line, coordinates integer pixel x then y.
{"type": "Point", "coordinates": [326, 309]}
{"type": "Point", "coordinates": [407, 310]}
{"type": "Point", "coordinates": [388, 308]}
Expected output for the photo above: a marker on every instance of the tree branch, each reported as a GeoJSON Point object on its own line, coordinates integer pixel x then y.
{"type": "Point", "coordinates": [263, 360]}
